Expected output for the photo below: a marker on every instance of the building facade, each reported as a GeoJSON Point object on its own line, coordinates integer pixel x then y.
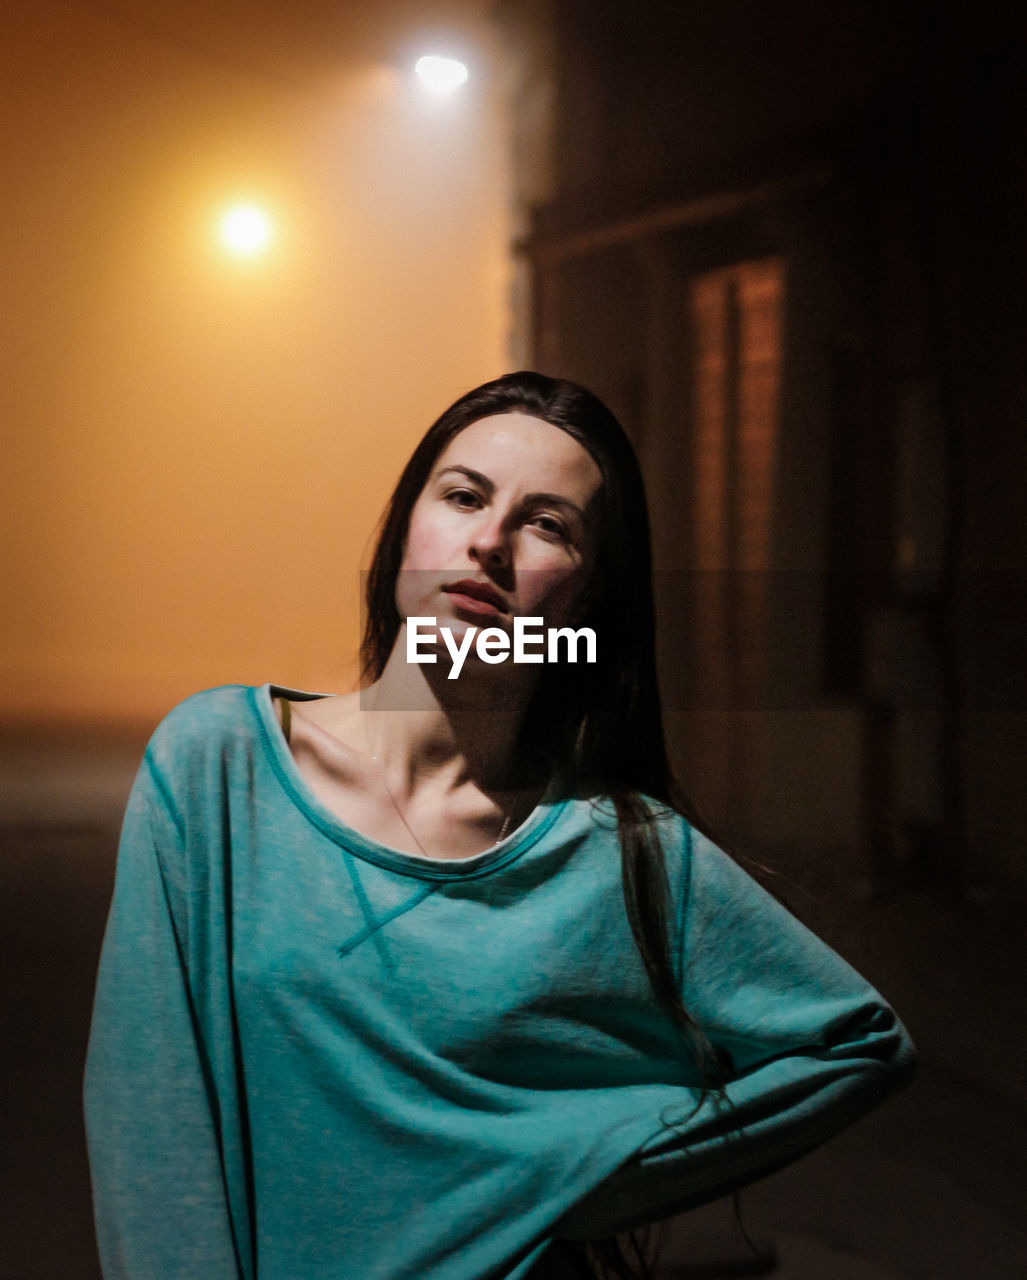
{"type": "Point", "coordinates": [783, 241]}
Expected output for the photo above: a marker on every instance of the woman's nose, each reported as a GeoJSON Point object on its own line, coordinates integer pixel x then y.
{"type": "Point", "coordinates": [491, 543]}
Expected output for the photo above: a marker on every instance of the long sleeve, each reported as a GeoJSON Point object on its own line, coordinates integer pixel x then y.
{"type": "Point", "coordinates": [155, 1147]}
{"type": "Point", "coordinates": [811, 1047]}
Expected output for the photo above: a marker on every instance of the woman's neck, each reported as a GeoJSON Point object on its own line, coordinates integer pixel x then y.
{"type": "Point", "coordinates": [449, 732]}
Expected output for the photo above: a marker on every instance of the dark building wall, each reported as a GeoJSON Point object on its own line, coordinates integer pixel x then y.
{"type": "Point", "coordinates": [861, 550]}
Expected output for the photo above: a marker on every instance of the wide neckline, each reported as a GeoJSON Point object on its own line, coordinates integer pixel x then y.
{"type": "Point", "coordinates": [512, 847]}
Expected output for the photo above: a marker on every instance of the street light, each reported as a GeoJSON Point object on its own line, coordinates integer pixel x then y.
{"type": "Point", "coordinates": [246, 230]}
{"type": "Point", "coordinates": [440, 75]}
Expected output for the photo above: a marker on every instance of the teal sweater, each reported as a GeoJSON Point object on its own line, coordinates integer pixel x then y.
{"type": "Point", "coordinates": [316, 1058]}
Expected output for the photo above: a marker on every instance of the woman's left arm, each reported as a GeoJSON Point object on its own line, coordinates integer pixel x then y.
{"type": "Point", "coordinates": [810, 1047]}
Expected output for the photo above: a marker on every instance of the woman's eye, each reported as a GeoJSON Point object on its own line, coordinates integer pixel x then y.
{"type": "Point", "coordinates": [551, 527]}
{"type": "Point", "coordinates": [465, 498]}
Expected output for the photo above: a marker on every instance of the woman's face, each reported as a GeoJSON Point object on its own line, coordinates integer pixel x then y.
{"type": "Point", "coordinates": [507, 525]}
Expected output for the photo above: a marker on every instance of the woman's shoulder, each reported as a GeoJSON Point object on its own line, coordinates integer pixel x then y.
{"type": "Point", "coordinates": [222, 705]}
{"type": "Point", "coordinates": [604, 806]}
{"type": "Point", "coordinates": [202, 746]}
{"type": "Point", "coordinates": [204, 724]}
{"type": "Point", "coordinates": [601, 813]}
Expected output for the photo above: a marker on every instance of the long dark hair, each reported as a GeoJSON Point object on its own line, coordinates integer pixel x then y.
{"type": "Point", "coordinates": [603, 722]}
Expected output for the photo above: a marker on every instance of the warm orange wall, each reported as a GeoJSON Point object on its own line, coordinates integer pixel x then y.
{"type": "Point", "coordinates": [196, 450]}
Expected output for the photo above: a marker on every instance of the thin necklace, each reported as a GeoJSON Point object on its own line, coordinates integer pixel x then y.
{"type": "Point", "coordinates": [402, 816]}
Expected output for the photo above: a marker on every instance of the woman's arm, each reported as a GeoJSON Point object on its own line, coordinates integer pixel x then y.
{"type": "Point", "coordinates": [811, 1047]}
{"type": "Point", "coordinates": [152, 1121]}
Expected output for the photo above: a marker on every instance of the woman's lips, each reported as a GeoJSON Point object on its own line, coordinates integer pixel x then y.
{"type": "Point", "coordinates": [476, 597]}
{"type": "Point", "coordinates": [473, 605]}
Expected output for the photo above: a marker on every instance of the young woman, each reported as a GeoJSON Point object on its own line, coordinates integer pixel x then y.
{"type": "Point", "coordinates": [432, 980]}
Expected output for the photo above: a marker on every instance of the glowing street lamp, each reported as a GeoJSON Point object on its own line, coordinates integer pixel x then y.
{"type": "Point", "coordinates": [245, 230]}
{"type": "Point", "coordinates": [441, 75]}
